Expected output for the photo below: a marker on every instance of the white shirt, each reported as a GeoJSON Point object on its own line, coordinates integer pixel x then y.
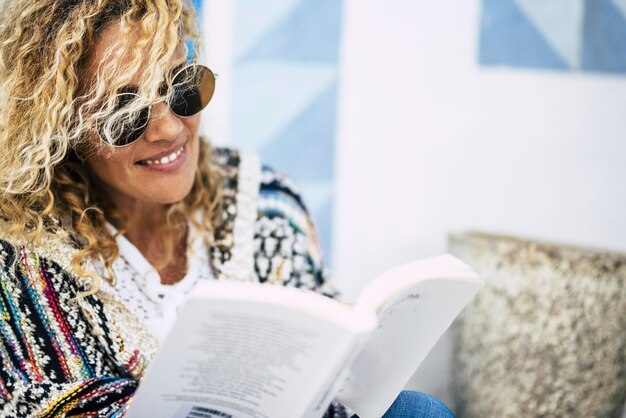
{"type": "Point", "coordinates": [139, 284]}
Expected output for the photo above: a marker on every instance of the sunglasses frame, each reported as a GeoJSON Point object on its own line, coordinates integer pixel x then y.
{"type": "Point", "coordinates": [145, 127]}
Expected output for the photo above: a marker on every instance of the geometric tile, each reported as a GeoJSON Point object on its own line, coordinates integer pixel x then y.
{"type": "Point", "coordinates": [254, 18]}
{"type": "Point", "coordinates": [310, 31]}
{"type": "Point", "coordinates": [267, 96]}
{"type": "Point", "coordinates": [316, 194]}
{"type": "Point", "coordinates": [284, 95]}
{"type": "Point", "coordinates": [560, 22]}
{"type": "Point", "coordinates": [306, 146]}
{"type": "Point", "coordinates": [581, 35]}
{"type": "Point", "coordinates": [508, 37]}
{"type": "Point", "coordinates": [604, 37]}
{"type": "Point", "coordinates": [621, 5]}
{"type": "Point", "coordinates": [324, 221]}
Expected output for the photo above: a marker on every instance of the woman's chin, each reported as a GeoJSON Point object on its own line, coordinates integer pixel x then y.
{"type": "Point", "coordinates": [169, 198]}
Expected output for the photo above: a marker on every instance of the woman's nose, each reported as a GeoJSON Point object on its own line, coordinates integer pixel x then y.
{"type": "Point", "coordinates": [163, 124]}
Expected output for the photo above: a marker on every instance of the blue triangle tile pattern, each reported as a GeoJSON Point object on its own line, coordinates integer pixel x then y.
{"type": "Point", "coordinates": [604, 46]}
{"type": "Point", "coordinates": [305, 136]}
{"type": "Point", "coordinates": [285, 93]}
{"type": "Point", "coordinates": [313, 30]}
{"type": "Point", "coordinates": [507, 37]}
{"type": "Point", "coordinates": [510, 37]}
{"type": "Point", "coordinates": [323, 219]}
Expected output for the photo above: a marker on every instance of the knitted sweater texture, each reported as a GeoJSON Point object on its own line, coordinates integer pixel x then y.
{"type": "Point", "coordinates": [64, 356]}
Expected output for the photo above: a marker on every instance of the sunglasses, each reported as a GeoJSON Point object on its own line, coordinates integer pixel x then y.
{"type": "Point", "coordinates": [193, 87]}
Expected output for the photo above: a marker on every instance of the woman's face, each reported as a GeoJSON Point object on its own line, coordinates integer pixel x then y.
{"type": "Point", "coordinates": [160, 166]}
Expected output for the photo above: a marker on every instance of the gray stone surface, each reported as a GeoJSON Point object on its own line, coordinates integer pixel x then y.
{"type": "Point", "coordinates": [546, 337]}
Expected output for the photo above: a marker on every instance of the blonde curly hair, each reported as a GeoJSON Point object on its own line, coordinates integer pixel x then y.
{"type": "Point", "coordinates": [46, 111]}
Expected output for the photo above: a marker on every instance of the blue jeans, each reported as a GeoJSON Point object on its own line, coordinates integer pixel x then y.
{"type": "Point", "coordinates": [411, 404]}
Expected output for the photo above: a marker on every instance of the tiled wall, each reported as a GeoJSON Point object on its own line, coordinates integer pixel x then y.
{"type": "Point", "coordinates": [565, 35]}
{"type": "Point", "coordinates": [285, 92]}
{"type": "Point", "coordinates": [283, 84]}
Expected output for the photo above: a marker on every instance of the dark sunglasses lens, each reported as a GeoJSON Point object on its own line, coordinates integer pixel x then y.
{"type": "Point", "coordinates": [130, 131]}
{"type": "Point", "coordinates": [193, 89]}
{"type": "Point", "coordinates": [133, 131]}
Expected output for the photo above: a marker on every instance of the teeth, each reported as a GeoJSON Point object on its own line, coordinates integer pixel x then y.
{"type": "Point", "coordinates": [167, 159]}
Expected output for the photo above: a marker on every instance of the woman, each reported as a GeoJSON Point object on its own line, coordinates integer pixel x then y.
{"type": "Point", "coordinates": [113, 207]}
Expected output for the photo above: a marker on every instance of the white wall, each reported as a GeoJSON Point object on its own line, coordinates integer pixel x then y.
{"type": "Point", "coordinates": [429, 143]}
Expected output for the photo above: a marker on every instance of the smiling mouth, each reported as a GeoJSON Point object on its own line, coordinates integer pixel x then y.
{"type": "Point", "coordinates": [163, 160]}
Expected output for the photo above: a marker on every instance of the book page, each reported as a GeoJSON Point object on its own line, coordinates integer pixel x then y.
{"type": "Point", "coordinates": [257, 357]}
{"type": "Point", "coordinates": [415, 305]}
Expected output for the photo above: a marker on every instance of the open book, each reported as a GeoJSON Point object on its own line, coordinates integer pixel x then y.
{"type": "Point", "coordinates": [266, 351]}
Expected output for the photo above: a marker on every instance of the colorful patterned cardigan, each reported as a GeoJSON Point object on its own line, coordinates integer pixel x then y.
{"type": "Point", "coordinates": [63, 356]}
